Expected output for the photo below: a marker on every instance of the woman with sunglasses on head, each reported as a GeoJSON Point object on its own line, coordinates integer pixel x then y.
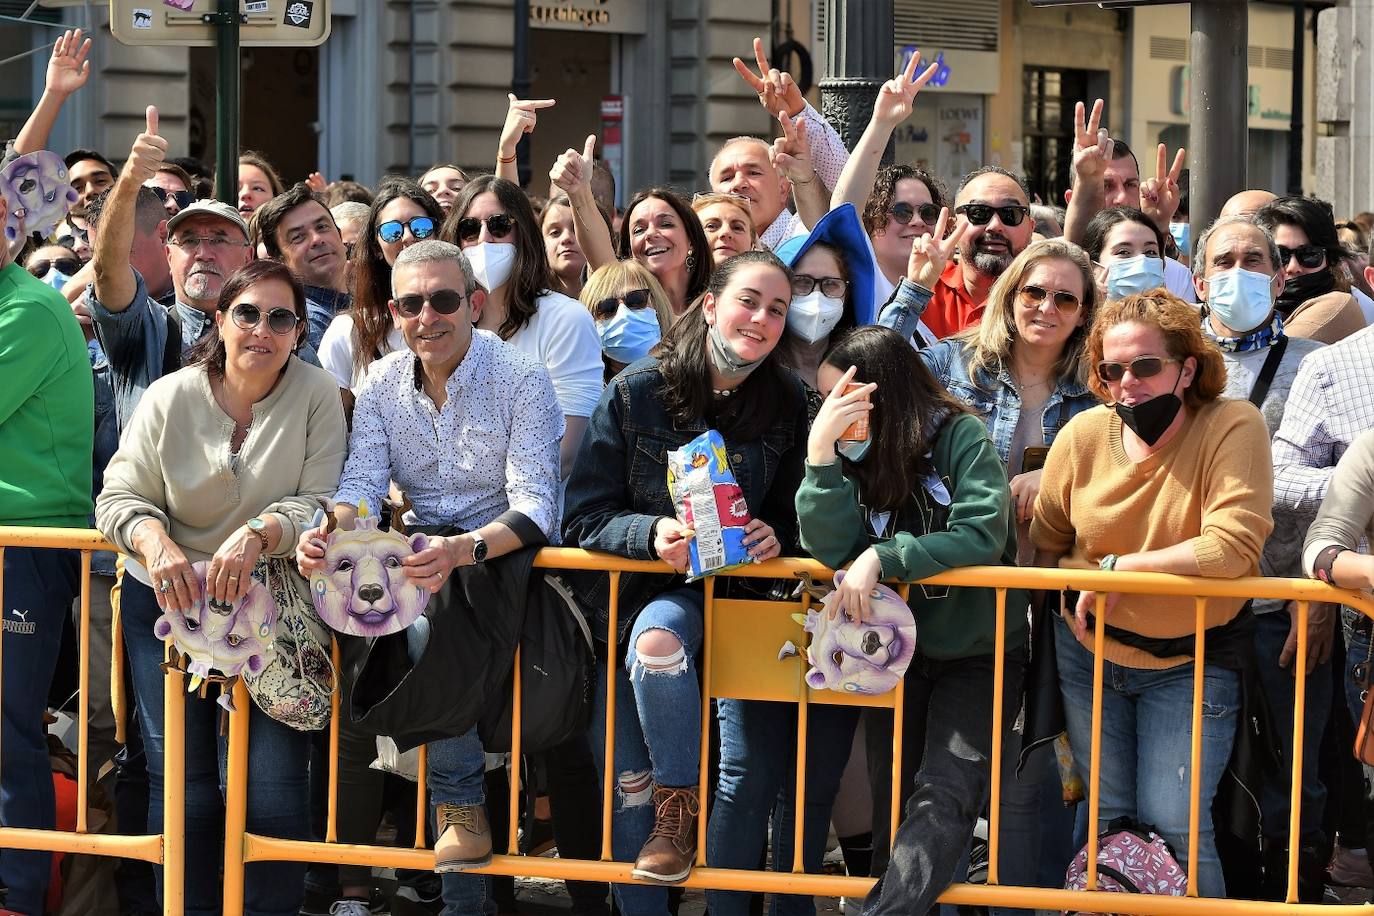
{"type": "Point", "coordinates": [1167, 476]}
{"type": "Point", "coordinates": [630, 310]}
{"type": "Point", "coordinates": [1316, 301]}
{"type": "Point", "coordinates": [728, 223]}
{"type": "Point", "coordinates": [716, 369]}
{"type": "Point", "coordinates": [401, 215]}
{"type": "Point", "coordinates": [1127, 251]}
{"type": "Point", "coordinates": [493, 223]}
{"type": "Point", "coordinates": [225, 461]}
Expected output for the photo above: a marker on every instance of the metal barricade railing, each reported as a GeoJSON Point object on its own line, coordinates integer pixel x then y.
{"type": "Point", "coordinates": [729, 669]}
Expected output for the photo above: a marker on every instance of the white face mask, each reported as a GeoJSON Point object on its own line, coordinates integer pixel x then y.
{"type": "Point", "coordinates": [491, 262]}
{"type": "Point", "coordinates": [813, 316]}
{"type": "Point", "coordinates": [1240, 299]}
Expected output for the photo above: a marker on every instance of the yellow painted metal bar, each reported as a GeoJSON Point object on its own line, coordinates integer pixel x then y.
{"type": "Point", "coordinates": [1095, 767]}
{"type": "Point", "coordinates": [704, 749]}
{"type": "Point", "coordinates": [803, 714]}
{"type": "Point", "coordinates": [512, 834]}
{"type": "Point", "coordinates": [898, 723]}
{"type": "Point", "coordinates": [421, 797]}
{"type": "Point", "coordinates": [236, 802]}
{"type": "Point", "coordinates": [83, 691]}
{"type": "Point", "coordinates": [331, 818]}
{"type": "Point", "coordinates": [144, 848]}
{"type": "Point", "coordinates": [999, 674]}
{"type": "Point", "coordinates": [612, 661]}
{"type": "Point", "coordinates": [1295, 789]}
{"type": "Point", "coordinates": [173, 790]}
{"type": "Point", "coordinates": [1195, 742]}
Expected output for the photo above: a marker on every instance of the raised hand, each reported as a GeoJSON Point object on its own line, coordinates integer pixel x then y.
{"type": "Point", "coordinates": [931, 252]}
{"type": "Point", "coordinates": [1090, 144]}
{"type": "Point", "coordinates": [68, 68]}
{"type": "Point", "coordinates": [777, 91]}
{"type": "Point", "coordinates": [791, 153]}
{"type": "Point", "coordinates": [1160, 196]}
{"type": "Point", "coordinates": [316, 182]}
{"type": "Point", "coordinates": [898, 95]}
{"type": "Point", "coordinates": [148, 152]}
{"type": "Point", "coordinates": [572, 171]}
{"type": "Point", "coordinates": [521, 117]}
{"type": "Point", "coordinates": [837, 413]}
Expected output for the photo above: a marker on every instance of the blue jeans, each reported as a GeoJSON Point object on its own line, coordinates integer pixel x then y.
{"type": "Point", "coordinates": [1036, 826]}
{"type": "Point", "coordinates": [758, 743]}
{"type": "Point", "coordinates": [40, 586]}
{"type": "Point", "coordinates": [278, 790]}
{"type": "Point", "coordinates": [455, 770]}
{"type": "Point", "coordinates": [1146, 744]}
{"type": "Point", "coordinates": [657, 734]}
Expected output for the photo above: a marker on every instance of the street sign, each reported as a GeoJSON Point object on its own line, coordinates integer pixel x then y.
{"type": "Point", "coordinates": [191, 23]}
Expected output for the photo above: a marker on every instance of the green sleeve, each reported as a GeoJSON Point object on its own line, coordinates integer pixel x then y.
{"type": "Point", "coordinates": [979, 510]}
{"type": "Point", "coordinates": [830, 521]}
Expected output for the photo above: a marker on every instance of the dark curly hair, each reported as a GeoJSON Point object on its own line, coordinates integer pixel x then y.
{"type": "Point", "coordinates": [885, 187]}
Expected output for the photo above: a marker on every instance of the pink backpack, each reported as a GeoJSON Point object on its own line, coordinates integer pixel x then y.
{"type": "Point", "coordinates": [1132, 858]}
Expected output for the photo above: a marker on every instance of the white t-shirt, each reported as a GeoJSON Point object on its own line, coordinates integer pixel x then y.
{"type": "Point", "coordinates": [336, 351]}
{"type": "Point", "coordinates": [1178, 280]}
{"type": "Point", "coordinates": [562, 335]}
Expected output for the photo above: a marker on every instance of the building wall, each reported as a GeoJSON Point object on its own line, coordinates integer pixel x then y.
{"type": "Point", "coordinates": [1344, 166]}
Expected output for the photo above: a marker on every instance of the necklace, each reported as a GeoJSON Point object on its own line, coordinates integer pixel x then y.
{"type": "Point", "coordinates": [722, 392]}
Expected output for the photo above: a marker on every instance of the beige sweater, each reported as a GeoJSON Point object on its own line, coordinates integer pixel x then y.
{"type": "Point", "coordinates": [174, 464]}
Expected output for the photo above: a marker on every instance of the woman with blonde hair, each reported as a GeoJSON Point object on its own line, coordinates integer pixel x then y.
{"type": "Point", "coordinates": [728, 223]}
{"type": "Point", "coordinates": [630, 309]}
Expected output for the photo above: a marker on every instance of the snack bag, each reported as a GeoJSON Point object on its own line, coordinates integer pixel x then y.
{"type": "Point", "coordinates": [709, 501]}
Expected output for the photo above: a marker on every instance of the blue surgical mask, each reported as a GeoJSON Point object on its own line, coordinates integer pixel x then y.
{"type": "Point", "coordinates": [55, 278]}
{"type": "Point", "coordinates": [629, 334]}
{"type": "Point", "coordinates": [855, 451]}
{"type": "Point", "coordinates": [1240, 299]}
{"type": "Point", "coordinates": [1183, 236]}
{"type": "Point", "coordinates": [1134, 275]}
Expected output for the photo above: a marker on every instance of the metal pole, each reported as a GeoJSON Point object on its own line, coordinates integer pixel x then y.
{"type": "Point", "coordinates": [226, 19]}
{"type": "Point", "coordinates": [1296, 125]}
{"type": "Point", "coordinates": [859, 56]}
{"type": "Point", "coordinates": [1217, 142]}
{"type": "Point", "coordinates": [520, 82]}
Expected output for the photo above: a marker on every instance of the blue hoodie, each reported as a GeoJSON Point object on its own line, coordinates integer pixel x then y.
{"type": "Point", "coordinates": [841, 229]}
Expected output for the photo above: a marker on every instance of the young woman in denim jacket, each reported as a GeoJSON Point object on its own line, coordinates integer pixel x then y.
{"type": "Point", "coordinates": [716, 369]}
{"type": "Point", "coordinates": [1021, 371]}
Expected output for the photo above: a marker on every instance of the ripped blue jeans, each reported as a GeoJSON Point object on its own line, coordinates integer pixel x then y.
{"type": "Point", "coordinates": [1146, 744]}
{"type": "Point", "coordinates": [657, 732]}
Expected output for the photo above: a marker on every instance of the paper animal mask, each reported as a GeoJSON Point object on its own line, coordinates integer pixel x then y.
{"type": "Point", "coordinates": [851, 657]}
{"type": "Point", "coordinates": [363, 589]}
{"type": "Point", "coordinates": [37, 190]}
{"type": "Point", "coordinates": [220, 639]}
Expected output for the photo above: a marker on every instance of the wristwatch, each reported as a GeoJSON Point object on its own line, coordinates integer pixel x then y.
{"type": "Point", "coordinates": [259, 527]}
{"type": "Point", "coordinates": [479, 548]}
{"type": "Point", "coordinates": [1108, 562]}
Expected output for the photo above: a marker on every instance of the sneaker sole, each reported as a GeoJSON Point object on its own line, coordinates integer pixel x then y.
{"type": "Point", "coordinates": [660, 879]}
{"type": "Point", "coordinates": [459, 865]}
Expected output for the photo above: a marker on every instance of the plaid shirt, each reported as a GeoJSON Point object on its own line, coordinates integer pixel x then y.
{"type": "Point", "coordinates": [1330, 404]}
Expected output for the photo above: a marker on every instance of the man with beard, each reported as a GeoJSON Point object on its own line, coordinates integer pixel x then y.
{"type": "Point", "coordinates": [994, 205]}
{"type": "Point", "coordinates": [206, 242]}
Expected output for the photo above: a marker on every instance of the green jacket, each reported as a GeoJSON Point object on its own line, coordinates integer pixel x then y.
{"type": "Point", "coordinates": [950, 623]}
{"type": "Point", "coordinates": [47, 407]}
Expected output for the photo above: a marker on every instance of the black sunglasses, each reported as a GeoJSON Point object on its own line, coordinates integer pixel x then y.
{"type": "Point", "coordinates": [498, 224]}
{"type": "Point", "coordinates": [902, 212]}
{"type": "Point", "coordinates": [393, 230]}
{"type": "Point", "coordinates": [443, 301]}
{"type": "Point", "coordinates": [1067, 303]}
{"type": "Point", "coordinates": [1141, 367]}
{"type": "Point", "coordinates": [183, 199]}
{"type": "Point", "coordinates": [981, 214]}
{"type": "Point", "coordinates": [606, 308]}
{"type": "Point", "coordinates": [1308, 256]}
{"type": "Point", "coordinates": [248, 316]}
{"type": "Point", "coordinates": [834, 287]}
{"type": "Point", "coordinates": [67, 266]}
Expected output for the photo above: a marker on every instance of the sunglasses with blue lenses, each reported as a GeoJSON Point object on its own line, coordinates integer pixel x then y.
{"type": "Point", "coordinates": [393, 230]}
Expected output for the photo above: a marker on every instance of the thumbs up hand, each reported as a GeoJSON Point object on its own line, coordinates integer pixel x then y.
{"type": "Point", "coordinates": [572, 172]}
{"type": "Point", "coordinates": [149, 150]}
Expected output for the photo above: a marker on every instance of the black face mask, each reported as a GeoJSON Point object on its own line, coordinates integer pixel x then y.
{"type": "Point", "coordinates": [1151, 418]}
{"type": "Point", "coordinates": [1303, 287]}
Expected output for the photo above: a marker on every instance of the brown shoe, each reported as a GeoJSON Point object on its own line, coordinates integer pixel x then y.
{"type": "Point", "coordinates": [464, 838]}
{"type": "Point", "coordinates": [667, 856]}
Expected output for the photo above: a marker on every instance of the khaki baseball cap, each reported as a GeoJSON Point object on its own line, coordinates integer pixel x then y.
{"type": "Point", "coordinates": [209, 208]}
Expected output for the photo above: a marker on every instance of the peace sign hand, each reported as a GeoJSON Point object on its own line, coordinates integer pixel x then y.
{"type": "Point", "coordinates": [791, 153]}
{"type": "Point", "coordinates": [1160, 196]}
{"type": "Point", "coordinates": [777, 91]}
{"type": "Point", "coordinates": [931, 252]}
{"type": "Point", "coordinates": [1090, 144]}
{"type": "Point", "coordinates": [897, 95]}
{"type": "Point", "coordinates": [521, 116]}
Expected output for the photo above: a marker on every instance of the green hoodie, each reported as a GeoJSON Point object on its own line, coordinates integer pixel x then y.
{"type": "Point", "coordinates": [47, 407]}
{"type": "Point", "coordinates": [979, 531]}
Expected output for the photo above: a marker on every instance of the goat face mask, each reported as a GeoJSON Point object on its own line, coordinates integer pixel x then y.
{"type": "Point", "coordinates": [363, 590]}
{"type": "Point", "coordinates": [38, 193]}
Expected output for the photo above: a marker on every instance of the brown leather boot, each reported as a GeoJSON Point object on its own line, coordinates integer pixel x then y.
{"type": "Point", "coordinates": [667, 856]}
{"type": "Point", "coordinates": [464, 838]}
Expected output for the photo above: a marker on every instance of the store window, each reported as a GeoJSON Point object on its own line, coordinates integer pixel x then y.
{"type": "Point", "coordinates": [1050, 95]}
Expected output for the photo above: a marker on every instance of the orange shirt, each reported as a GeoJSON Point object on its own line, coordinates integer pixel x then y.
{"type": "Point", "coordinates": [951, 309]}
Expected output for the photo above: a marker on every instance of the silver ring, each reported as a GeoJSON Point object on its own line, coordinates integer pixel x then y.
{"type": "Point", "coordinates": [164, 585]}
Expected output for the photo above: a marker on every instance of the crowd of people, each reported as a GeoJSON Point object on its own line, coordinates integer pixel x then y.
{"type": "Point", "coordinates": [1084, 387]}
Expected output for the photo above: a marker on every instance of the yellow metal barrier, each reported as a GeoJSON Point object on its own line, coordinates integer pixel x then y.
{"type": "Point", "coordinates": [730, 668]}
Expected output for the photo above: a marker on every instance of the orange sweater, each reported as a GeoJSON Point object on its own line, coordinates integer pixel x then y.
{"type": "Point", "coordinates": [1212, 486]}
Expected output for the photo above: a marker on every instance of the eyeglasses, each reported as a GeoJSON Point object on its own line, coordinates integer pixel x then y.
{"type": "Point", "coordinates": [248, 316]}
{"type": "Point", "coordinates": [443, 301]}
{"type": "Point", "coordinates": [67, 266]}
{"type": "Point", "coordinates": [498, 224]}
{"type": "Point", "coordinates": [1141, 367]}
{"type": "Point", "coordinates": [183, 199]}
{"type": "Point", "coordinates": [1308, 255]}
{"type": "Point", "coordinates": [634, 299]}
{"type": "Point", "coordinates": [216, 243]}
{"type": "Point", "coordinates": [834, 287]}
{"type": "Point", "coordinates": [981, 214]}
{"type": "Point", "coordinates": [393, 230]}
{"type": "Point", "coordinates": [1067, 303]}
{"type": "Point", "coordinates": [902, 212]}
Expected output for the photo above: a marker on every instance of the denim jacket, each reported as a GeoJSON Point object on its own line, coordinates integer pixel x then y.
{"type": "Point", "coordinates": [996, 400]}
{"type": "Point", "coordinates": [619, 483]}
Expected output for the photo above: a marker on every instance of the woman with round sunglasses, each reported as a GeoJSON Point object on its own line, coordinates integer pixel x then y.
{"type": "Point", "coordinates": [631, 312]}
{"type": "Point", "coordinates": [1316, 301]}
{"type": "Point", "coordinates": [1167, 476]}
{"type": "Point", "coordinates": [728, 223]}
{"type": "Point", "coordinates": [494, 224]}
{"type": "Point", "coordinates": [716, 369]}
{"type": "Point", "coordinates": [1127, 251]}
{"type": "Point", "coordinates": [401, 215]}
{"type": "Point", "coordinates": [225, 461]}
